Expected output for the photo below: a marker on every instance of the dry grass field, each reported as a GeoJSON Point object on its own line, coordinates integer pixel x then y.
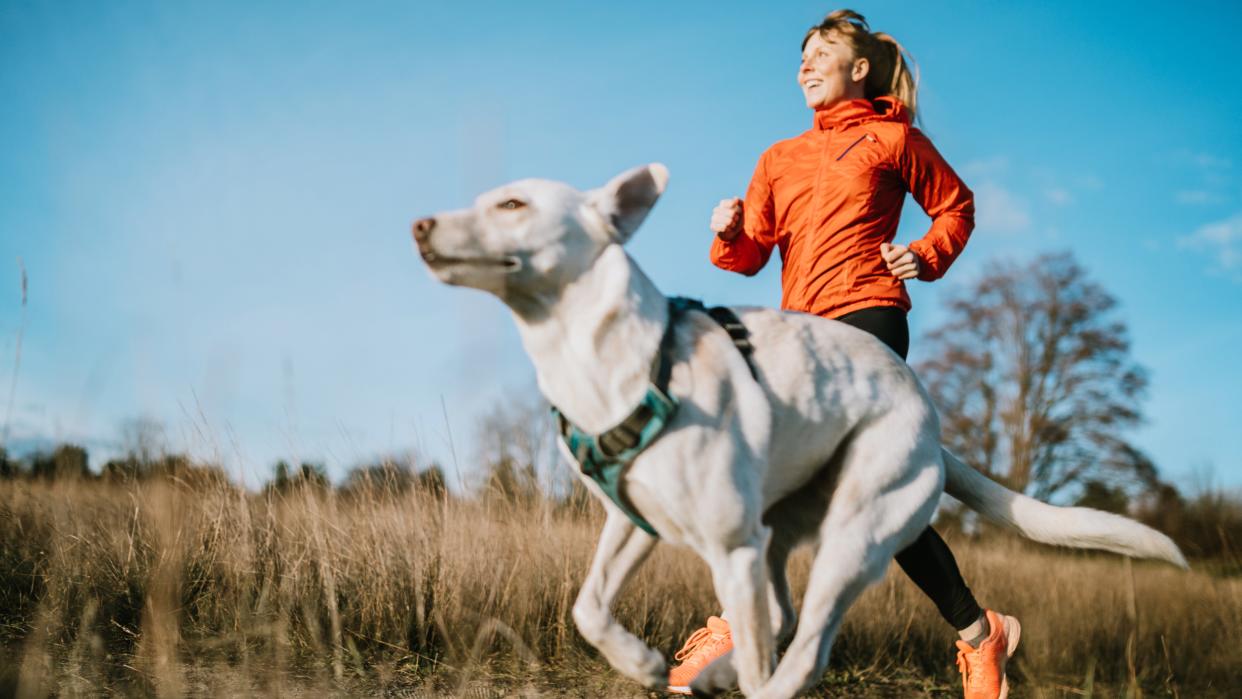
{"type": "Point", "coordinates": [165, 587]}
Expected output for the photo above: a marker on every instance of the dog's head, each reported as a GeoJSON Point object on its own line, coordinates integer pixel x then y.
{"type": "Point", "coordinates": [532, 237]}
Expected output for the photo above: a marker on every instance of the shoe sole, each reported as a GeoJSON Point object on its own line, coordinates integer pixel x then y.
{"type": "Point", "coordinates": [1013, 632]}
{"type": "Point", "coordinates": [679, 689]}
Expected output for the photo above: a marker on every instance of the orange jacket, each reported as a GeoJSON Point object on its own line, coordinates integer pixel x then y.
{"type": "Point", "coordinates": [830, 196]}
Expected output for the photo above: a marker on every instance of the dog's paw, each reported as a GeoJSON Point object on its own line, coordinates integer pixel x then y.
{"type": "Point", "coordinates": [652, 671]}
{"type": "Point", "coordinates": [715, 679]}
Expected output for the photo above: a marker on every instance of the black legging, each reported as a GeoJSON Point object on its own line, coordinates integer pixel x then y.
{"type": "Point", "coordinates": [928, 561]}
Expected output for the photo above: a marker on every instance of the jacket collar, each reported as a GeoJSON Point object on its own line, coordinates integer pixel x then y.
{"type": "Point", "coordinates": [848, 112]}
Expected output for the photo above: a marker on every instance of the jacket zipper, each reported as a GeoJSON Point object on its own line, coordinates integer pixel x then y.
{"type": "Point", "coordinates": [867, 136]}
{"type": "Point", "coordinates": [816, 194]}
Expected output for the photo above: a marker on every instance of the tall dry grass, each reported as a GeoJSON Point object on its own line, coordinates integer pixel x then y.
{"type": "Point", "coordinates": [168, 588]}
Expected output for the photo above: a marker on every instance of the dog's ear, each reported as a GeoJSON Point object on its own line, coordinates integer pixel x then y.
{"type": "Point", "coordinates": [624, 202]}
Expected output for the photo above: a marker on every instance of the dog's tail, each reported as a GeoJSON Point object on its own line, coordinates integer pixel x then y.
{"type": "Point", "coordinates": [1078, 527]}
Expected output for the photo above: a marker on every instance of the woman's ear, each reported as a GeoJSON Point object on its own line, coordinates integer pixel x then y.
{"type": "Point", "coordinates": [862, 67]}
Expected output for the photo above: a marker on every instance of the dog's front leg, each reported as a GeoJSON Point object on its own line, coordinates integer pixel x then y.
{"type": "Point", "coordinates": [740, 576]}
{"type": "Point", "coordinates": [622, 547]}
{"type": "Point", "coordinates": [721, 676]}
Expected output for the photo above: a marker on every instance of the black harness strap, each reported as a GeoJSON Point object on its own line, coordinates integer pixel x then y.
{"type": "Point", "coordinates": [741, 336]}
{"type": "Point", "coordinates": [727, 319]}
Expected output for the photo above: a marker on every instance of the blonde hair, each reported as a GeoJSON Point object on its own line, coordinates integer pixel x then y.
{"type": "Point", "coordinates": [891, 66]}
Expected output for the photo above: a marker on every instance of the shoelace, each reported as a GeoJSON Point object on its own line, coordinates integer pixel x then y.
{"type": "Point", "coordinates": [697, 640]}
{"type": "Point", "coordinates": [967, 665]}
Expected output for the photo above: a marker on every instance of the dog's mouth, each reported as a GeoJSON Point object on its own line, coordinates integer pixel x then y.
{"type": "Point", "coordinates": [507, 263]}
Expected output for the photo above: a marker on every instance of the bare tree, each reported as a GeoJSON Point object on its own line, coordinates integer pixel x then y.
{"type": "Point", "coordinates": [515, 446]}
{"type": "Point", "coordinates": [392, 475]}
{"type": "Point", "coordinates": [66, 461]}
{"type": "Point", "coordinates": [520, 457]}
{"type": "Point", "coordinates": [143, 440]}
{"type": "Point", "coordinates": [1034, 381]}
{"type": "Point", "coordinates": [307, 476]}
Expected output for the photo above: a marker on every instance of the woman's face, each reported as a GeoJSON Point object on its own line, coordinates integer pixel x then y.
{"type": "Point", "coordinates": [829, 72]}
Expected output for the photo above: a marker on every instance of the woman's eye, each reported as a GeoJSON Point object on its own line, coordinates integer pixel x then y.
{"type": "Point", "coordinates": [511, 204]}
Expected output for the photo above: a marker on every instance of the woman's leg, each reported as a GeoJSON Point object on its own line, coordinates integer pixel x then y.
{"type": "Point", "coordinates": [928, 561]}
{"type": "Point", "coordinates": [930, 564]}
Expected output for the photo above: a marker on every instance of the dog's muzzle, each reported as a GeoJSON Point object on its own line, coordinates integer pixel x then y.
{"type": "Point", "coordinates": [422, 238]}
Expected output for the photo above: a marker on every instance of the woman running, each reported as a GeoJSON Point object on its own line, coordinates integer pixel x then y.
{"type": "Point", "coordinates": [830, 199]}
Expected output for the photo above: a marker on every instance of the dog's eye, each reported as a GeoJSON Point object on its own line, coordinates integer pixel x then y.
{"type": "Point", "coordinates": [511, 204]}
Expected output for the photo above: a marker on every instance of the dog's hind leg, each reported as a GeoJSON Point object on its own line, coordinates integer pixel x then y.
{"type": "Point", "coordinates": [857, 541]}
{"type": "Point", "coordinates": [794, 519]}
{"type": "Point", "coordinates": [780, 602]}
{"type": "Point", "coordinates": [622, 547]}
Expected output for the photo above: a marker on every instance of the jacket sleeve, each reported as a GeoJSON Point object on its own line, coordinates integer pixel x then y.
{"type": "Point", "coordinates": [749, 252]}
{"type": "Point", "coordinates": [944, 197]}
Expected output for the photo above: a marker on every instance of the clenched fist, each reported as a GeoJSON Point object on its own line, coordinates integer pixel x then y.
{"type": "Point", "coordinates": [901, 260]}
{"type": "Point", "coordinates": [727, 219]}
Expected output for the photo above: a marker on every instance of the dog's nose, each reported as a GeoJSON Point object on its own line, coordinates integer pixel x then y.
{"type": "Point", "coordinates": [422, 229]}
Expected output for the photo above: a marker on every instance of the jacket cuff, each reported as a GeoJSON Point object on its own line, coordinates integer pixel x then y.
{"type": "Point", "coordinates": [734, 255]}
{"type": "Point", "coordinates": [930, 267]}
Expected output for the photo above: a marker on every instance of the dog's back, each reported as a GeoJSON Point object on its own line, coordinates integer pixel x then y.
{"type": "Point", "coordinates": [823, 379]}
{"type": "Point", "coordinates": [818, 381]}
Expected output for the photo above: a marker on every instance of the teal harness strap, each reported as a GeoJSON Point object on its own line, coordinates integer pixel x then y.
{"type": "Point", "coordinates": [607, 468]}
{"type": "Point", "coordinates": [606, 457]}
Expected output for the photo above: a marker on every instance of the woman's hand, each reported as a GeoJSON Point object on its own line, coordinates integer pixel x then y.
{"type": "Point", "coordinates": [727, 219]}
{"type": "Point", "coordinates": [901, 260]}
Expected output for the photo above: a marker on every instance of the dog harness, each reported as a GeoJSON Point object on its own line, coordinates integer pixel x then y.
{"type": "Point", "coordinates": [607, 456]}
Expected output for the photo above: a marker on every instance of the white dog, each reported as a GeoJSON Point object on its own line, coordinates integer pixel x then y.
{"type": "Point", "coordinates": [832, 439]}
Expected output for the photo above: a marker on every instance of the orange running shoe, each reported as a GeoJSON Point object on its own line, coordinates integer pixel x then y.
{"type": "Point", "coordinates": [703, 646]}
{"type": "Point", "coordinates": [983, 668]}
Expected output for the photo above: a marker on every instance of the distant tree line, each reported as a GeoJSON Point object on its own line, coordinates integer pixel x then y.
{"type": "Point", "coordinates": [70, 462]}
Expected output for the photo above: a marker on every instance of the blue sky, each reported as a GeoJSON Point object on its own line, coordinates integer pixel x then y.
{"type": "Point", "coordinates": [212, 200]}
